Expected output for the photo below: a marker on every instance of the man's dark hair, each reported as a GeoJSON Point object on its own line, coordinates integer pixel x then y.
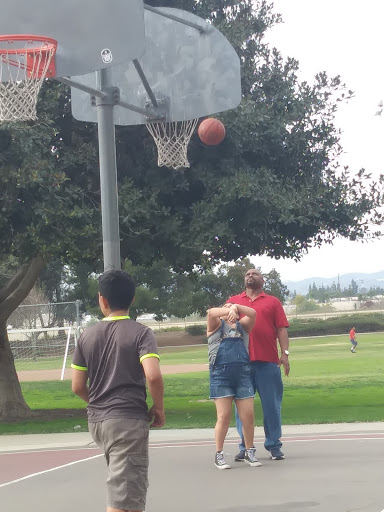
{"type": "Point", "coordinates": [118, 288]}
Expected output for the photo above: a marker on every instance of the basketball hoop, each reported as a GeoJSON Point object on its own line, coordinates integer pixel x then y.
{"type": "Point", "coordinates": [25, 61]}
{"type": "Point", "coordinates": [172, 142]}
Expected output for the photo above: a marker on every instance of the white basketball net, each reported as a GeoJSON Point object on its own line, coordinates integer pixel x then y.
{"type": "Point", "coordinates": [172, 142]}
{"type": "Point", "coordinates": [23, 70]}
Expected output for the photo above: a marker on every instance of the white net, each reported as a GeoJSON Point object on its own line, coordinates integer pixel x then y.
{"type": "Point", "coordinates": [42, 349]}
{"type": "Point", "coordinates": [24, 64]}
{"type": "Point", "coordinates": [172, 142]}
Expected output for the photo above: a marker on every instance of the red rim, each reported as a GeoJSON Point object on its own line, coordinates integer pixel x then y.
{"type": "Point", "coordinates": [51, 43]}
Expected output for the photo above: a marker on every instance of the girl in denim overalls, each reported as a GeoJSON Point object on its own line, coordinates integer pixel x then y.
{"type": "Point", "coordinates": [230, 374]}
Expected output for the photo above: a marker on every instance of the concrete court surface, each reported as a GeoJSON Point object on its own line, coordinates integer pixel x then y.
{"type": "Point", "coordinates": [329, 468]}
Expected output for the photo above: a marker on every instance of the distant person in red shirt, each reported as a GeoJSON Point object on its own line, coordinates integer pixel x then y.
{"type": "Point", "coordinates": [271, 325]}
{"type": "Point", "coordinates": [352, 339]}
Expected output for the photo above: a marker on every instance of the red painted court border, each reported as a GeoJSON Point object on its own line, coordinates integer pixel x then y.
{"type": "Point", "coordinates": [21, 465]}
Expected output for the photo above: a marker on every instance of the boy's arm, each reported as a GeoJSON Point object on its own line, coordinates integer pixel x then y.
{"type": "Point", "coordinates": [79, 384]}
{"type": "Point", "coordinates": [151, 367]}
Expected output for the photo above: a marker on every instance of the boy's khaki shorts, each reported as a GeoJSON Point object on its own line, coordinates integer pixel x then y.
{"type": "Point", "coordinates": [124, 442]}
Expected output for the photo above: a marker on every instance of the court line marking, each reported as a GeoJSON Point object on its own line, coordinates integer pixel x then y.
{"type": "Point", "coordinates": [329, 437]}
{"type": "Point", "coordinates": [203, 442]}
{"type": "Point", "coordinates": [48, 470]}
{"type": "Point", "coordinates": [290, 440]}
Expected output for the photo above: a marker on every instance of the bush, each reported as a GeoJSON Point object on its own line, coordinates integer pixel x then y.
{"type": "Point", "coordinates": [336, 325]}
{"type": "Point", "coordinates": [168, 329]}
{"type": "Point", "coordinates": [196, 330]}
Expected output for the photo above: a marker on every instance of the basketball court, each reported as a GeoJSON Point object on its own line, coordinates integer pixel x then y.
{"type": "Point", "coordinates": [129, 64]}
{"type": "Point", "coordinates": [328, 468]}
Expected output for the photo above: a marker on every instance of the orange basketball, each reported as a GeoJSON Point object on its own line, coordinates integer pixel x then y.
{"type": "Point", "coordinates": [211, 131]}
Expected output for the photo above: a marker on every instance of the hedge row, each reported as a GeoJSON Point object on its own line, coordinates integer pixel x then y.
{"type": "Point", "coordinates": [196, 330]}
{"type": "Point", "coordinates": [373, 322]}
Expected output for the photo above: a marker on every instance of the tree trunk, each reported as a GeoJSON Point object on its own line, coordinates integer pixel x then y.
{"type": "Point", "coordinates": [12, 403]}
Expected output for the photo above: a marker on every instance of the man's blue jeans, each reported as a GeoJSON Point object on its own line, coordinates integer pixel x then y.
{"type": "Point", "coordinates": [269, 385]}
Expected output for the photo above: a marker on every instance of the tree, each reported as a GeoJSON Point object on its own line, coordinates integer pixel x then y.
{"type": "Point", "coordinates": [274, 186]}
{"type": "Point", "coordinates": [353, 289]}
{"type": "Point", "coordinates": [44, 214]}
{"type": "Point", "coordinates": [303, 305]}
{"type": "Point", "coordinates": [274, 286]}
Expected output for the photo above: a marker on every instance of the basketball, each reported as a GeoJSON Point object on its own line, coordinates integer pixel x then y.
{"type": "Point", "coordinates": [211, 131]}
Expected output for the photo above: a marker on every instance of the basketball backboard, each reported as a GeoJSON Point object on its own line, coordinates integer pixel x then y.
{"type": "Point", "coordinates": [91, 35]}
{"type": "Point", "coordinates": [195, 73]}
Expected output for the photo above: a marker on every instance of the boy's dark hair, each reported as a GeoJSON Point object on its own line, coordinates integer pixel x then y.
{"type": "Point", "coordinates": [118, 288]}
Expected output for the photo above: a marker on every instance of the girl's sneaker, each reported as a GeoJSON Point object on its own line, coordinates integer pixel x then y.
{"type": "Point", "coordinates": [250, 458]}
{"type": "Point", "coordinates": [220, 461]}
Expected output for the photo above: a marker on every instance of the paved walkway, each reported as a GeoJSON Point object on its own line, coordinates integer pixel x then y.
{"type": "Point", "coordinates": [41, 375]}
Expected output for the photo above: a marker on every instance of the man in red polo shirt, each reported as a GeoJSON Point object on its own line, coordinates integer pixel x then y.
{"type": "Point", "coordinates": [271, 325]}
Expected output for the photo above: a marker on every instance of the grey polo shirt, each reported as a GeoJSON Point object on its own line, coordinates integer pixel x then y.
{"type": "Point", "coordinates": [112, 352]}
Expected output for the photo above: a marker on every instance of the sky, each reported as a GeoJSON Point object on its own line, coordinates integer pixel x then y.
{"type": "Point", "coordinates": [342, 38]}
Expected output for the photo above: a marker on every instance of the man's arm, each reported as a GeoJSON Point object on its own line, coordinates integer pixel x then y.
{"type": "Point", "coordinates": [282, 336]}
{"type": "Point", "coordinates": [79, 384]}
{"type": "Point", "coordinates": [151, 367]}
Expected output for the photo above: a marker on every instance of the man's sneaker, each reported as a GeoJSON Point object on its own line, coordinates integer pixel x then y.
{"type": "Point", "coordinates": [277, 454]}
{"type": "Point", "coordinates": [353, 349]}
{"type": "Point", "coordinates": [240, 456]}
{"type": "Point", "coordinates": [220, 461]}
{"type": "Point", "coordinates": [250, 458]}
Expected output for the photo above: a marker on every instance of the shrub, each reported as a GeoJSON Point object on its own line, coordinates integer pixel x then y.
{"type": "Point", "coordinates": [196, 330]}
{"type": "Point", "coordinates": [168, 329]}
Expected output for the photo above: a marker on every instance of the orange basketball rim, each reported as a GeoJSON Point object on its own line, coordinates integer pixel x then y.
{"type": "Point", "coordinates": [33, 53]}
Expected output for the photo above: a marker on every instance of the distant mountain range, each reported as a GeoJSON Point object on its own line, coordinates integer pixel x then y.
{"type": "Point", "coordinates": [364, 282]}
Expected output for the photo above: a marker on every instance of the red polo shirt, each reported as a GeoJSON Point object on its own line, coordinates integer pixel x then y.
{"type": "Point", "coordinates": [270, 315]}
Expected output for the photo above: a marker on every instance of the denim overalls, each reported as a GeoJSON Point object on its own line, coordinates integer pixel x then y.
{"type": "Point", "coordinates": [230, 370]}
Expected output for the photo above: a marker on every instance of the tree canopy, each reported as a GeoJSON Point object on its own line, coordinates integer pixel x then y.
{"type": "Point", "coordinates": [274, 186]}
{"type": "Point", "coordinates": [162, 291]}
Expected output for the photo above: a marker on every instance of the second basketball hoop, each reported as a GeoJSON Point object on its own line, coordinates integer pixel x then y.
{"type": "Point", "coordinates": [172, 141]}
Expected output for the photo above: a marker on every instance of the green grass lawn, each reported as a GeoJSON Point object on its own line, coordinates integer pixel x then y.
{"type": "Point", "coordinates": [54, 363]}
{"type": "Point", "coordinates": [169, 355]}
{"type": "Point", "coordinates": [327, 384]}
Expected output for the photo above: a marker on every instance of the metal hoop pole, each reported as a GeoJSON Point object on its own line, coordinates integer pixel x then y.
{"type": "Point", "coordinates": [108, 175]}
{"type": "Point", "coordinates": [81, 87]}
{"type": "Point", "coordinates": [145, 82]}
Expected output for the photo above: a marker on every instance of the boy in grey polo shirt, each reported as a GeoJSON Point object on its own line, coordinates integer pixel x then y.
{"type": "Point", "coordinates": [112, 362]}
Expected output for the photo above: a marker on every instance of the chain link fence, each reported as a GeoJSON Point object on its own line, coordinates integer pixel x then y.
{"type": "Point", "coordinates": [42, 336]}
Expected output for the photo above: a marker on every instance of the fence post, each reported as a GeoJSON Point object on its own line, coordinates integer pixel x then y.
{"type": "Point", "coordinates": [78, 313]}
{"type": "Point", "coordinates": [77, 330]}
